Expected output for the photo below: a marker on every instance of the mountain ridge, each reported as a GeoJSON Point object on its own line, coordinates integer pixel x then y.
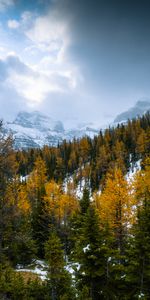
{"type": "Point", "coordinates": [35, 129]}
{"type": "Point", "coordinates": [140, 107]}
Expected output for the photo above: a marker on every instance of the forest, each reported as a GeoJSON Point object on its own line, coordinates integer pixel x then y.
{"type": "Point", "coordinates": [82, 211]}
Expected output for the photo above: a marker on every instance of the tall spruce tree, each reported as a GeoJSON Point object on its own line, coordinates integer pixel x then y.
{"type": "Point", "coordinates": [59, 280]}
{"type": "Point", "coordinates": [92, 257]}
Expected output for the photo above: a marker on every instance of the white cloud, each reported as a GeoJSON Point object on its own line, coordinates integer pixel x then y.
{"type": "Point", "coordinates": [31, 83]}
{"type": "Point", "coordinates": [26, 17]}
{"type": "Point", "coordinates": [50, 34]}
{"type": "Point", "coordinates": [25, 22]}
{"type": "Point", "coordinates": [40, 70]}
{"type": "Point", "coordinates": [13, 24]}
{"type": "Point", "coordinates": [35, 87]}
{"type": "Point", "coordinates": [4, 4]}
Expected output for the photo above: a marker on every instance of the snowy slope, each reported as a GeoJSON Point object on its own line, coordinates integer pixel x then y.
{"type": "Point", "coordinates": [36, 130]}
{"type": "Point", "coordinates": [140, 108]}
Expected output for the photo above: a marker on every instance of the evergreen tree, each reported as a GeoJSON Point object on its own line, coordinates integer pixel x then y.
{"type": "Point", "coordinates": [85, 201]}
{"type": "Point", "coordinates": [59, 280]}
{"type": "Point", "coordinates": [92, 256]}
{"type": "Point", "coordinates": [41, 222]}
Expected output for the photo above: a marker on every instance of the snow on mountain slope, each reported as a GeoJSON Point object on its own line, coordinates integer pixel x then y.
{"type": "Point", "coordinates": [37, 121]}
{"type": "Point", "coordinates": [140, 108]}
{"type": "Point", "coordinates": [36, 130]}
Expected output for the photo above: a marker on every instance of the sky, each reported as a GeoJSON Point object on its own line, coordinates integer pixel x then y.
{"type": "Point", "coordinates": [81, 60]}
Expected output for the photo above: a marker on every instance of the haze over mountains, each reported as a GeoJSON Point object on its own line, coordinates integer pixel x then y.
{"type": "Point", "coordinates": [141, 107]}
{"type": "Point", "coordinates": [36, 129]}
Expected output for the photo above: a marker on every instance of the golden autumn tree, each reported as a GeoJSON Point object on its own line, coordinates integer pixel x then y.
{"type": "Point", "coordinates": [119, 153]}
{"type": "Point", "coordinates": [61, 205]}
{"type": "Point", "coordinates": [19, 246]}
{"type": "Point", "coordinates": [36, 181]}
{"type": "Point", "coordinates": [142, 183]}
{"type": "Point", "coordinates": [141, 143]}
{"type": "Point", "coordinates": [115, 204]}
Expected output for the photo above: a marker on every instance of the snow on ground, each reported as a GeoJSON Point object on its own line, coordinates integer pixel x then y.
{"type": "Point", "coordinates": [72, 268]}
{"type": "Point", "coordinates": [85, 249]}
{"type": "Point", "coordinates": [68, 180]}
{"type": "Point", "coordinates": [24, 178]}
{"type": "Point", "coordinates": [134, 168]}
{"type": "Point", "coordinates": [79, 188]}
{"type": "Point", "coordinates": [141, 295]}
{"type": "Point", "coordinates": [38, 267]}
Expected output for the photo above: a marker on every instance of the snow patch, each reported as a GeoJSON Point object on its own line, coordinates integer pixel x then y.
{"type": "Point", "coordinates": [72, 268]}
{"type": "Point", "coordinates": [38, 268]}
{"type": "Point", "coordinates": [87, 248]}
{"type": "Point", "coordinates": [141, 295]}
{"type": "Point", "coordinates": [134, 168]}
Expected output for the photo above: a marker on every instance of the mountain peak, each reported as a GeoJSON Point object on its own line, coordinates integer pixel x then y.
{"type": "Point", "coordinates": [140, 107]}
{"type": "Point", "coordinates": [37, 120]}
{"type": "Point", "coordinates": [143, 102]}
{"type": "Point", "coordinates": [34, 129]}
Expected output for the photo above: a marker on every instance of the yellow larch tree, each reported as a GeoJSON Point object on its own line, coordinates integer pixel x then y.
{"type": "Point", "coordinates": [61, 205]}
{"type": "Point", "coordinates": [36, 181]}
{"type": "Point", "coordinates": [115, 205]}
{"type": "Point", "coordinates": [142, 183]}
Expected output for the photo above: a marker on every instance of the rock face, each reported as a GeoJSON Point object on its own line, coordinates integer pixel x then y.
{"type": "Point", "coordinates": [141, 107]}
{"type": "Point", "coordinates": [34, 130]}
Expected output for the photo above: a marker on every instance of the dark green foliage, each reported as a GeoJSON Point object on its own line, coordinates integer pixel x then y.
{"type": "Point", "coordinates": [92, 254]}
{"type": "Point", "coordinates": [41, 222]}
{"type": "Point", "coordinates": [138, 267]}
{"type": "Point", "coordinates": [13, 286]}
{"type": "Point", "coordinates": [59, 280]}
{"type": "Point", "coordinates": [22, 249]}
{"type": "Point", "coordinates": [85, 201]}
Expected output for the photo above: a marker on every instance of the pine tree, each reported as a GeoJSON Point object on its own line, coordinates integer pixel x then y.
{"type": "Point", "coordinates": [92, 256]}
{"type": "Point", "coordinates": [41, 222]}
{"type": "Point", "coordinates": [59, 281]}
{"type": "Point", "coordinates": [85, 201]}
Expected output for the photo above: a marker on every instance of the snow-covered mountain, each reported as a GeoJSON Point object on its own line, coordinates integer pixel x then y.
{"type": "Point", "coordinates": [36, 130]}
{"type": "Point", "coordinates": [141, 107]}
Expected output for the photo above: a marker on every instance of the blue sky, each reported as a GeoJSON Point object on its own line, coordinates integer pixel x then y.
{"type": "Point", "coordinates": [80, 60]}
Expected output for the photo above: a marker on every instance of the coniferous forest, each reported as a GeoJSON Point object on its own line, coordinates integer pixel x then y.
{"type": "Point", "coordinates": [82, 211]}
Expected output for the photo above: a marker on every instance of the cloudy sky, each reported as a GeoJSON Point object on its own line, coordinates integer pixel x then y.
{"type": "Point", "coordinates": [78, 59]}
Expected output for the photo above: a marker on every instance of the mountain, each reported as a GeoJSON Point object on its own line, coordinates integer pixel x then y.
{"type": "Point", "coordinates": [141, 107]}
{"type": "Point", "coordinates": [36, 130]}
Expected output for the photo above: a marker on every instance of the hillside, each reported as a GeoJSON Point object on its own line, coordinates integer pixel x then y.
{"type": "Point", "coordinates": [75, 218]}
